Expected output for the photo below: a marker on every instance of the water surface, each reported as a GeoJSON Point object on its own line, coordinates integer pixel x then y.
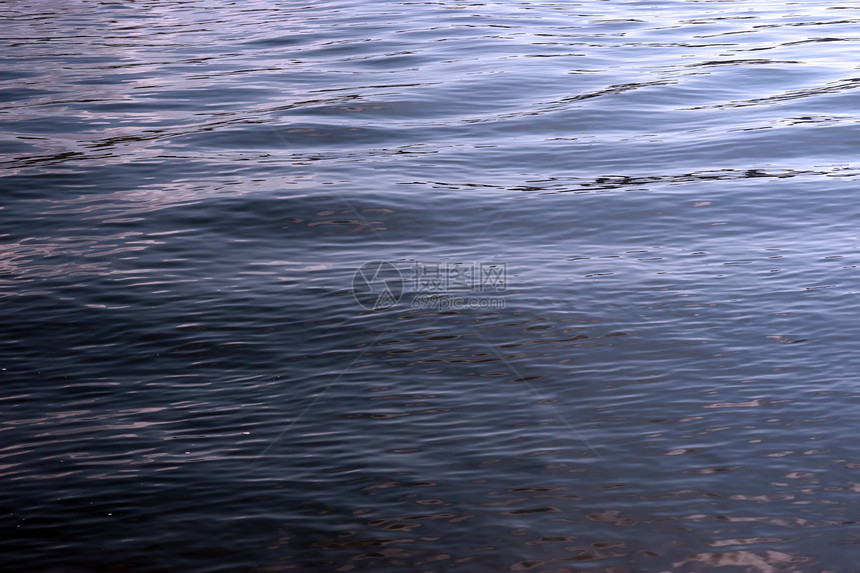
{"type": "Point", "coordinates": [651, 366]}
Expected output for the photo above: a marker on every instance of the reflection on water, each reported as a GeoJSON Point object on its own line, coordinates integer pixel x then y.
{"type": "Point", "coordinates": [191, 382]}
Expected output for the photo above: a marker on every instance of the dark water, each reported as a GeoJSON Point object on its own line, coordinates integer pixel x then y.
{"type": "Point", "coordinates": [617, 329]}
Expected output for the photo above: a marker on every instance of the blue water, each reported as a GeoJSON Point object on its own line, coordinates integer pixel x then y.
{"type": "Point", "coordinates": [429, 286]}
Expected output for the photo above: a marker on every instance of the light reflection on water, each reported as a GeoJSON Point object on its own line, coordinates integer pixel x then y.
{"type": "Point", "coordinates": [189, 380]}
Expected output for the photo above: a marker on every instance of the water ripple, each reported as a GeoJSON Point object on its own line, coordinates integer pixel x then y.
{"type": "Point", "coordinates": [618, 331]}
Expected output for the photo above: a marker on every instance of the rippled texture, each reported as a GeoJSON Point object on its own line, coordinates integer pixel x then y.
{"type": "Point", "coordinates": [189, 380]}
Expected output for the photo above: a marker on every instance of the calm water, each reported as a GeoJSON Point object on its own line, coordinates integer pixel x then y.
{"type": "Point", "coordinates": [615, 326]}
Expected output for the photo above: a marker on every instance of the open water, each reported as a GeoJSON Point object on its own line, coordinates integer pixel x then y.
{"type": "Point", "coordinates": [440, 286]}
